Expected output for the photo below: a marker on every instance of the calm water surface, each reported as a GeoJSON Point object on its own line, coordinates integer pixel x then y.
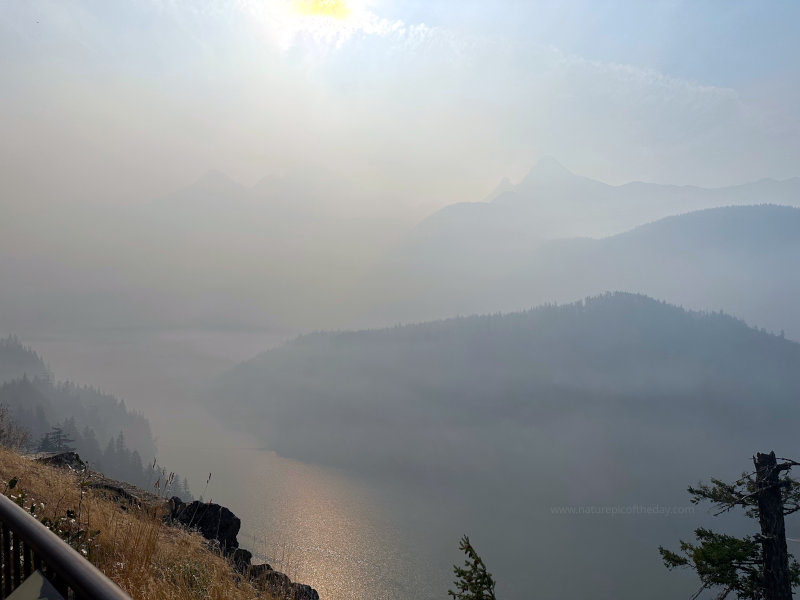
{"type": "Point", "coordinates": [320, 526]}
{"type": "Point", "coordinates": [397, 537]}
{"type": "Point", "coordinates": [348, 539]}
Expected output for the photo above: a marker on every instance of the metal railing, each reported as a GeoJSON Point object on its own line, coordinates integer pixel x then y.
{"type": "Point", "coordinates": [26, 546]}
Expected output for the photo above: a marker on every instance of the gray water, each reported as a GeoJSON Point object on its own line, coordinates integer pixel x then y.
{"type": "Point", "coordinates": [320, 526]}
{"type": "Point", "coordinates": [346, 537]}
{"type": "Point", "coordinates": [396, 536]}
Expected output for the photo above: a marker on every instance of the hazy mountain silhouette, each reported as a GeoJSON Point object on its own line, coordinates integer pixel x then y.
{"type": "Point", "coordinates": [552, 203]}
{"type": "Point", "coordinates": [214, 190]}
{"type": "Point", "coordinates": [504, 186]}
{"type": "Point", "coordinates": [738, 258]}
{"type": "Point", "coordinates": [480, 411]}
{"type": "Point", "coordinates": [18, 361]}
{"type": "Point", "coordinates": [557, 203]}
{"type": "Point", "coordinates": [215, 254]}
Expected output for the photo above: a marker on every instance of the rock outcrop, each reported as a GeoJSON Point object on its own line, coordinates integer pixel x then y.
{"type": "Point", "coordinates": [68, 459]}
{"type": "Point", "coordinates": [220, 526]}
{"type": "Point", "coordinates": [279, 585]}
{"type": "Point", "coordinates": [214, 522]}
{"type": "Point", "coordinates": [241, 559]}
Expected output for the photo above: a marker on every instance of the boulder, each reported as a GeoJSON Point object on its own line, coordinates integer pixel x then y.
{"type": "Point", "coordinates": [214, 522]}
{"type": "Point", "coordinates": [115, 492]}
{"type": "Point", "coordinates": [281, 586]}
{"type": "Point", "coordinates": [69, 460]}
{"type": "Point", "coordinates": [304, 592]}
{"type": "Point", "coordinates": [257, 571]}
{"type": "Point", "coordinates": [274, 581]}
{"type": "Point", "coordinates": [241, 560]}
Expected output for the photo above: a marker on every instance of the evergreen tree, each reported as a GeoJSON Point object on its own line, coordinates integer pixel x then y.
{"type": "Point", "coordinates": [56, 441]}
{"type": "Point", "coordinates": [120, 447]}
{"type": "Point", "coordinates": [756, 567]}
{"type": "Point", "coordinates": [185, 491]}
{"type": "Point", "coordinates": [39, 424]}
{"type": "Point", "coordinates": [110, 459]}
{"type": "Point", "coordinates": [136, 473]}
{"type": "Point", "coordinates": [473, 581]}
{"type": "Point", "coordinates": [11, 434]}
{"type": "Point", "coordinates": [89, 447]}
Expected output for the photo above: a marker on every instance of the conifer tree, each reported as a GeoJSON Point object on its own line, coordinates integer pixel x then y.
{"type": "Point", "coordinates": [756, 567]}
{"type": "Point", "coordinates": [473, 581]}
{"type": "Point", "coordinates": [56, 441]}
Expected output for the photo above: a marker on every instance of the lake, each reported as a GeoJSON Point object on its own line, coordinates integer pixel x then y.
{"type": "Point", "coordinates": [395, 535]}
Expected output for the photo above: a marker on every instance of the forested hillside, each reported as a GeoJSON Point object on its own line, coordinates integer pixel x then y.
{"type": "Point", "coordinates": [17, 361]}
{"type": "Point", "coordinates": [605, 402]}
{"type": "Point", "coordinates": [610, 351]}
{"type": "Point", "coordinates": [62, 415]}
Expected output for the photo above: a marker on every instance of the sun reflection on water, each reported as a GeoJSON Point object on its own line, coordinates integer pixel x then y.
{"type": "Point", "coordinates": [324, 529]}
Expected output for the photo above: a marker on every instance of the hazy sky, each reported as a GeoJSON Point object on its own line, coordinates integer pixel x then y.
{"type": "Point", "coordinates": [414, 105]}
{"type": "Point", "coordinates": [432, 101]}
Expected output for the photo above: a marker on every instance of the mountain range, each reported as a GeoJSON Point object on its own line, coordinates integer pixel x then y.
{"type": "Point", "coordinates": [551, 202]}
{"type": "Point", "coordinates": [283, 254]}
{"type": "Point", "coordinates": [736, 258]}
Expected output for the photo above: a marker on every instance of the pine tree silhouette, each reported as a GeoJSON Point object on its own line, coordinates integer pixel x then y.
{"type": "Point", "coordinates": [473, 581]}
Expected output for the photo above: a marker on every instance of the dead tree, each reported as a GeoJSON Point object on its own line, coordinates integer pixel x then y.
{"type": "Point", "coordinates": [758, 566]}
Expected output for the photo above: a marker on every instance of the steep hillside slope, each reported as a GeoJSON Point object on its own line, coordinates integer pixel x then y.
{"type": "Point", "coordinates": [110, 436]}
{"type": "Point", "coordinates": [128, 541]}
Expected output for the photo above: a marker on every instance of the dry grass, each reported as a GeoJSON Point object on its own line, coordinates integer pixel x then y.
{"type": "Point", "coordinates": [145, 557]}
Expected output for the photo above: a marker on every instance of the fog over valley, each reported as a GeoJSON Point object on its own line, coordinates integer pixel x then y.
{"type": "Point", "coordinates": [376, 275]}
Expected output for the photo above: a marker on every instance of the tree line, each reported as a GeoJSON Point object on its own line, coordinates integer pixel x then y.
{"type": "Point", "coordinates": [40, 414]}
{"type": "Point", "coordinates": [116, 460]}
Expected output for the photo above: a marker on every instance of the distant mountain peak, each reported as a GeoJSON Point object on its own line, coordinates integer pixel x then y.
{"type": "Point", "coordinates": [213, 179]}
{"type": "Point", "coordinates": [501, 188]}
{"type": "Point", "coordinates": [548, 169]}
{"type": "Point", "coordinates": [212, 189]}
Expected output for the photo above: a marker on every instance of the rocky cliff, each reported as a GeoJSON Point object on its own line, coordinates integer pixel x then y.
{"type": "Point", "coordinates": [214, 522]}
{"type": "Point", "coordinates": [220, 526]}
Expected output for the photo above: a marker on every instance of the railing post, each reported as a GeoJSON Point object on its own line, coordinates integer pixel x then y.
{"type": "Point", "coordinates": [6, 561]}
{"type": "Point", "coordinates": [61, 586]}
{"type": "Point", "coordinates": [27, 560]}
{"type": "Point", "coordinates": [16, 559]}
{"type": "Point", "coordinates": [69, 572]}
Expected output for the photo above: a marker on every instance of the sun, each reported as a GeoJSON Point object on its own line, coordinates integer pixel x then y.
{"type": "Point", "coordinates": [338, 9]}
{"type": "Point", "coordinates": [316, 25]}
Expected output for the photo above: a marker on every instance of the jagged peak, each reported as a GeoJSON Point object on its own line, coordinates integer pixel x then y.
{"type": "Point", "coordinates": [501, 188]}
{"type": "Point", "coordinates": [214, 179]}
{"type": "Point", "coordinates": [547, 169]}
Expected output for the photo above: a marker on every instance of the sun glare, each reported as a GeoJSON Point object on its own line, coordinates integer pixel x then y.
{"type": "Point", "coordinates": [316, 24]}
{"type": "Point", "coordinates": [337, 9]}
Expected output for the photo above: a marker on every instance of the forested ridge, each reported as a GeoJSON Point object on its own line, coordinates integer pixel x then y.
{"type": "Point", "coordinates": [614, 400]}
{"type": "Point", "coordinates": [62, 415]}
{"type": "Point", "coordinates": [613, 346]}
